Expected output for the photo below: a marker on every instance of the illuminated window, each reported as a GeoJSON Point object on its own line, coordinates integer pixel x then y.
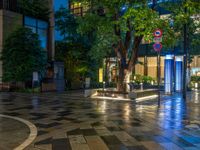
{"type": "Point", "coordinates": [78, 9]}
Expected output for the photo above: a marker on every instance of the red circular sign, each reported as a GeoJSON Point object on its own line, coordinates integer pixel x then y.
{"type": "Point", "coordinates": [157, 47]}
{"type": "Point", "coordinates": [157, 33]}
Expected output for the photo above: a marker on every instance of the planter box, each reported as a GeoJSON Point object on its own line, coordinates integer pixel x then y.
{"type": "Point", "coordinates": [144, 93]}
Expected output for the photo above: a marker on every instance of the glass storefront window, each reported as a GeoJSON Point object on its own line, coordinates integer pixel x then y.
{"type": "Point", "coordinates": [28, 21]}
{"type": "Point", "coordinates": [38, 26]}
{"type": "Point", "coordinates": [43, 37]}
{"type": "Point", "coordinates": [42, 24]}
{"type": "Point", "coordinates": [32, 28]}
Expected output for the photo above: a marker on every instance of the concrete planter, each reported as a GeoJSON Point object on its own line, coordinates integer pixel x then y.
{"type": "Point", "coordinates": [90, 92]}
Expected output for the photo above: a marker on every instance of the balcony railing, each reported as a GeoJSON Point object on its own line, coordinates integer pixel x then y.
{"type": "Point", "coordinates": [11, 5]}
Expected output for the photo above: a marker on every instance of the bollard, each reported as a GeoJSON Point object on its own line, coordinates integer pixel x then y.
{"type": "Point", "coordinates": [141, 87]}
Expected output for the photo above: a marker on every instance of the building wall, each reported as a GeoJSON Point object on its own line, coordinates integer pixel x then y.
{"type": "Point", "coordinates": [152, 66]}
{"type": "Point", "coordinates": [139, 68]}
{"type": "Point", "coordinates": [196, 62]}
{"type": "Point", "coordinates": [9, 21]}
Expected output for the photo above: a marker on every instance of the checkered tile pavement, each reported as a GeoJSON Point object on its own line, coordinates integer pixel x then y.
{"type": "Point", "coordinates": [68, 121]}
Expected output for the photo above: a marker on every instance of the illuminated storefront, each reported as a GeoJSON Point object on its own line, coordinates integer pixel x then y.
{"type": "Point", "coordinates": [78, 9]}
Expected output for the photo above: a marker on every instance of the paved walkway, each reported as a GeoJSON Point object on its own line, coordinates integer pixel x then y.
{"type": "Point", "coordinates": [12, 133]}
{"type": "Point", "coordinates": [69, 121]}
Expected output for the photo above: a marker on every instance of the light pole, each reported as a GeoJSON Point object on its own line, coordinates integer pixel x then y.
{"type": "Point", "coordinates": [158, 60]}
{"type": "Point", "coordinates": [185, 35]}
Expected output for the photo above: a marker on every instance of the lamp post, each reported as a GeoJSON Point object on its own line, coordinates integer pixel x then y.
{"type": "Point", "coordinates": [185, 42]}
{"type": "Point", "coordinates": [158, 60]}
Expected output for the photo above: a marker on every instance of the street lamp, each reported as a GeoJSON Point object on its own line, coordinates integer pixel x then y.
{"type": "Point", "coordinates": [185, 42]}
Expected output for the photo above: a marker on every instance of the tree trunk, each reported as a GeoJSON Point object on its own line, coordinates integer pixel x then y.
{"type": "Point", "coordinates": [125, 68]}
{"type": "Point", "coordinates": [121, 86]}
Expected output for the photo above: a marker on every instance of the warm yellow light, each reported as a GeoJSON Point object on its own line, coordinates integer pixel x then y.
{"type": "Point", "coordinates": [100, 74]}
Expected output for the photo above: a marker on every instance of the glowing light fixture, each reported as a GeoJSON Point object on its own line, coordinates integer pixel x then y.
{"type": "Point", "coordinates": [179, 74]}
{"type": "Point", "coordinates": [169, 71]}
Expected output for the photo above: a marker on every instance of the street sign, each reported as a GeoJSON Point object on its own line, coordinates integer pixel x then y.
{"type": "Point", "coordinates": [157, 33]}
{"type": "Point", "coordinates": [157, 39]}
{"type": "Point", "coordinates": [157, 47]}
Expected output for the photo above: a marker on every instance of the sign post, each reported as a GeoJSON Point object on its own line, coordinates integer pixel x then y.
{"type": "Point", "coordinates": [157, 47]}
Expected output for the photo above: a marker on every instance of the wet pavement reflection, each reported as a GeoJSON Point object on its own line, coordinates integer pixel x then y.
{"type": "Point", "coordinates": [70, 121]}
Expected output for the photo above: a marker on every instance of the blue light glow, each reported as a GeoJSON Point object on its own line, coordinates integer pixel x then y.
{"type": "Point", "coordinates": [124, 8]}
{"type": "Point", "coordinates": [169, 71]}
{"type": "Point", "coordinates": [179, 74]}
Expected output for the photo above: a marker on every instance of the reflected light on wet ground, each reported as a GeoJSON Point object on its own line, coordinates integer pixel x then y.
{"type": "Point", "coordinates": [119, 124]}
{"type": "Point", "coordinates": [127, 111]}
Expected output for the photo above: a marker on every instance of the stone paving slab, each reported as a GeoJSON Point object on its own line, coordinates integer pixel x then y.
{"type": "Point", "coordinates": [68, 121]}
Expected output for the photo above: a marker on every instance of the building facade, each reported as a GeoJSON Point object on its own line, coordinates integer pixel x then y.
{"type": "Point", "coordinates": [11, 18]}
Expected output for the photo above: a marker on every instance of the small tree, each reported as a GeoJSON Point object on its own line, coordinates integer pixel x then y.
{"type": "Point", "coordinates": [66, 24]}
{"type": "Point", "coordinates": [73, 49]}
{"type": "Point", "coordinates": [22, 55]}
{"type": "Point", "coordinates": [120, 26]}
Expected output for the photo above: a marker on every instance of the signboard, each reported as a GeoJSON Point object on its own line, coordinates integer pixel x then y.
{"type": "Point", "coordinates": [100, 74]}
{"type": "Point", "coordinates": [157, 39]}
{"type": "Point", "coordinates": [35, 76]}
{"type": "Point", "coordinates": [87, 82]}
{"type": "Point", "coordinates": [157, 33]}
{"type": "Point", "coordinates": [157, 47]}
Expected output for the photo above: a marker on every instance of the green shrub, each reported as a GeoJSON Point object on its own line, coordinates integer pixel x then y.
{"type": "Point", "coordinates": [29, 90]}
{"type": "Point", "coordinates": [195, 78]}
{"type": "Point", "coordinates": [22, 55]}
{"type": "Point", "coordinates": [142, 79]}
{"type": "Point", "coordinates": [147, 79]}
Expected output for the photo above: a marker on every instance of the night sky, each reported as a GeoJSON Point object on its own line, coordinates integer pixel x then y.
{"type": "Point", "coordinates": [57, 5]}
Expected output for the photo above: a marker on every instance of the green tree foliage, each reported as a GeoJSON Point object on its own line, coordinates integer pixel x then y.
{"type": "Point", "coordinates": [73, 50]}
{"type": "Point", "coordinates": [22, 55]}
{"type": "Point", "coordinates": [72, 55]}
{"type": "Point", "coordinates": [66, 24]}
{"type": "Point", "coordinates": [120, 26]}
{"type": "Point", "coordinates": [35, 8]}
{"type": "Point", "coordinates": [185, 12]}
